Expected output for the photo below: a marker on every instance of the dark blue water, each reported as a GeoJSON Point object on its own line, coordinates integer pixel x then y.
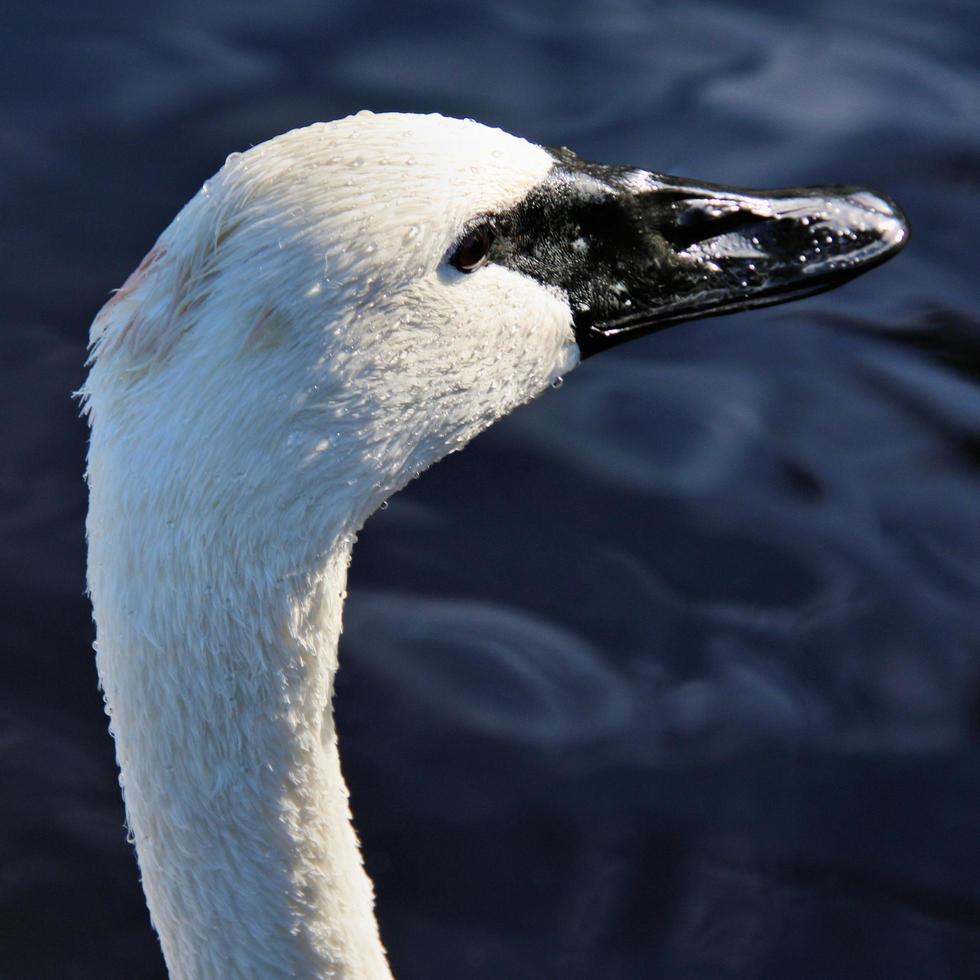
{"type": "Point", "coordinates": [673, 674]}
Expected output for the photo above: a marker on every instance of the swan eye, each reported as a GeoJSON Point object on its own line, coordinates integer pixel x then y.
{"type": "Point", "coordinates": [471, 253]}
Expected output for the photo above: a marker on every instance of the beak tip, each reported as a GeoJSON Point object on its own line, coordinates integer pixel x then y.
{"type": "Point", "coordinates": [890, 220]}
{"type": "Point", "coordinates": [899, 232]}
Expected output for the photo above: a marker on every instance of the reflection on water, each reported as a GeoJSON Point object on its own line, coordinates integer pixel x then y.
{"type": "Point", "coordinates": [488, 669]}
{"type": "Point", "coordinates": [673, 673]}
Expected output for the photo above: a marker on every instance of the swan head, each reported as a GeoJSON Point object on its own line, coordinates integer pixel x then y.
{"type": "Point", "coordinates": [345, 304]}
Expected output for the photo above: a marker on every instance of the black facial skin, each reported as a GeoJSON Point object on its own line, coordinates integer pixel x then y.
{"type": "Point", "coordinates": [637, 252]}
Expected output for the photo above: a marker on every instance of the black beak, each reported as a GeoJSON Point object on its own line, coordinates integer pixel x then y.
{"type": "Point", "coordinates": [636, 252]}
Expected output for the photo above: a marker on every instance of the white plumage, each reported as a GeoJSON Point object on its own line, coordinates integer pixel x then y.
{"type": "Point", "coordinates": [291, 352]}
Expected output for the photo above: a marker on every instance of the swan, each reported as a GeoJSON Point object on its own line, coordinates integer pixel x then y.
{"type": "Point", "coordinates": [335, 310]}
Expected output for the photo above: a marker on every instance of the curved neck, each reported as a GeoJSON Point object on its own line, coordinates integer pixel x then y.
{"type": "Point", "coordinates": [219, 693]}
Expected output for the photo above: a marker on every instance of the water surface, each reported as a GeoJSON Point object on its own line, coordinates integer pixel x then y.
{"type": "Point", "coordinates": [672, 674]}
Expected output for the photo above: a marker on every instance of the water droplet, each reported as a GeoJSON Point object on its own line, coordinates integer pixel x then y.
{"type": "Point", "coordinates": [557, 381]}
{"type": "Point", "coordinates": [384, 505]}
{"type": "Point", "coordinates": [357, 162]}
{"type": "Point", "coordinates": [232, 158]}
{"type": "Point", "coordinates": [412, 232]}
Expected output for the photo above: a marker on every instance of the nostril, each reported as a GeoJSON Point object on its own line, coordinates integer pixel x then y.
{"type": "Point", "coordinates": [697, 221]}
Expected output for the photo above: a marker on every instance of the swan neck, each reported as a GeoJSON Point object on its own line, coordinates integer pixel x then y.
{"type": "Point", "coordinates": [219, 689]}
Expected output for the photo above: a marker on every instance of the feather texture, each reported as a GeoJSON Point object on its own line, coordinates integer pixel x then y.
{"type": "Point", "coordinates": [291, 352]}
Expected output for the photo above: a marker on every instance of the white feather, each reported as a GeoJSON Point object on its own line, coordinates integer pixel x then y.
{"type": "Point", "coordinates": [292, 351]}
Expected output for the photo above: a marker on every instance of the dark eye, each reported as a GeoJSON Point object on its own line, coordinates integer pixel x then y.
{"type": "Point", "coordinates": [471, 253]}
